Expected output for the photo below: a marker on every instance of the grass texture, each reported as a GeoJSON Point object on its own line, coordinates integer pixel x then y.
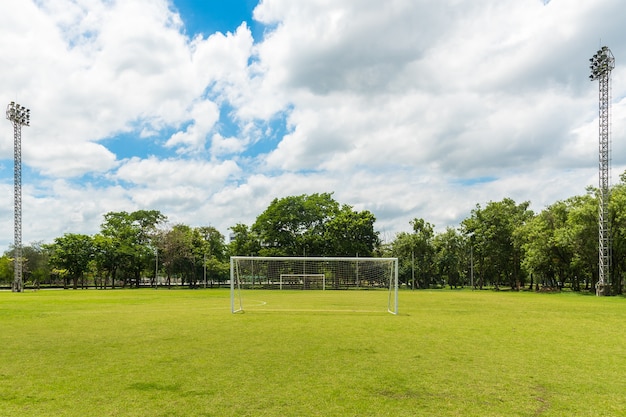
{"type": "Point", "coordinates": [182, 353]}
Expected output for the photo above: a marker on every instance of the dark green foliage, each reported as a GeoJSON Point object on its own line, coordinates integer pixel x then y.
{"type": "Point", "coordinates": [559, 246]}
{"type": "Point", "coordinates": [6, 270]}
{"type": "Point", "coordinates": [70, 255]}
{"type": "Point", "coordinates": [312, 225]}
{"type": "Point", "coordinates": [450, 257]}
{"type": "Point", "coordinates": [131, 236]}
{"type": "Point", "coordinates": [415, 253]}
{"type": "Point", "coordinates": [496, 254]}
{"type": "Point", "coordinates": [245, 242]}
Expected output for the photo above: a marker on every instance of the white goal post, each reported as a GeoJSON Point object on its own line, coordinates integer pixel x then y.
{"type": "Point", "coordinates": [313, 273]}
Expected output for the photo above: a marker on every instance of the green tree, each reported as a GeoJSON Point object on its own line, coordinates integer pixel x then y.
{"type": "Point", "coordinates": [72, 253]}
{"type": "Point", "coordinates": [132, 236]}
{"type": "Point", "coordinates": [6, 269]}
{"type": "Point", "coordinates": [497, 255]}
{"type": "Point", "coordinates": [106, 258]}
{"type": "Point", "coordinates": [351, 233]}
{"type": "Point", "coordinates": [210, 241]}
{"type": "Point", "coordinates": [415, 253]}
{"type": "Point", "coordinates": [546, 242]}
{"type": "Point", "coordinates": [450, 256]}
{"type": "Point", "coordinates": [582, 228]}
{"type": "Point", "coordinates": [617, 213]}
{"type": "Point", "coordinates": [176, 253]}
{"type": "Point", "coordinates": [295, 225]}
{"type": "Point", "coordinates": [560, 244]}
{"type": "Point", "coordinates": [244, 241]}
{"type": "Point", "coordinates": [36, 268]}
{"type": "Point", "coordinates": [314, 225]}
{"type": "Point", "coordinates": [210, 253]}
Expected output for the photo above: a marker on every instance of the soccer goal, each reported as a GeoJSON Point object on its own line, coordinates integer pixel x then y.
{"type": "Point", "coordinates": [314, 273]}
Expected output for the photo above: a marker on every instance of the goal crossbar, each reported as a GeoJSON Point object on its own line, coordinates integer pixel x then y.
{"type": "Point", "coordinates": [312, 273]}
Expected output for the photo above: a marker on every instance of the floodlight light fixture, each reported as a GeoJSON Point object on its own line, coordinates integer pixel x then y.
{"type": "Point", "coordinates": [19, 116]}
{"type": "Point", "coordinates": [602, 63]}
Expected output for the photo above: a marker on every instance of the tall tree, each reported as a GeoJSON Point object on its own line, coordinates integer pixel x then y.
{"type": "Point", "coordinates": [176, 253]}
{"type": "Point", "coordinates": [617, 213]}
{"type": "Point", "coordinates": [132, 235]}
{"type": "Point", "coordinates": [6, 269]}
{"type": "Point", "coordinates": [244, 241]}
{"type": "Point", "coordinates": [295, 225]}
{"type": "Point", "coordinates": [106, 258]}
{"type": "Point", "coordinates": [415, 253]}
{"type": "Point", "coordinates": [351, 233]}
{"type": "Point", "coordinates": [210, 254]}
{"type": "Point", "coordinates": [314, 225]}
{"type": "Point", "coordinates": [497, 254]}
{"type": "Point", "coordinates": [582, 229]}
{"type": "Point", "coordinates": [208, 240]}
{"type": "Point", "coordinates": [450, 256]}
{"type": "Point", "coordinates": [546, 245]}
{"type": "Point", "coordinates": [36, 263]}
{"type": "Point", "coordinates": [560, 244]}
{"type": "Point", "coordinates": [72, 253]}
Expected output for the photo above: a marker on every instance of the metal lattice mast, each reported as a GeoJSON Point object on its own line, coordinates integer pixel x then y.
{"type": "Point", "coordinates": [601, 65]}
{"type": "Point", "coordinates": [19, 116]}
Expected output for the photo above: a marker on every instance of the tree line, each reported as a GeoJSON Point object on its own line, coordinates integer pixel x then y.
{"type": "Point", "coordinates": [502, 244]}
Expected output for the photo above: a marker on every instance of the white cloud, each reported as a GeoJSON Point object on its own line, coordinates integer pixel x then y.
{"type": "Point", "coordinates": [205, 114]}
{"type": "Point", "coordinates": [457, 90]}
{"type": "Point", "coordinates": [406, 108]}
{"type": "Point", "coordinates": [53, 208]}
{"type": "Point", "coordinates": [68, 161]}
{"type": "Point", "coordinates": [172, 173]}
{"type": "Point", "coordinates": [221, 146]}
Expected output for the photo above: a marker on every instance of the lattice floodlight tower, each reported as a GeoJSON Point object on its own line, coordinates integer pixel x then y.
{"type": "Point", "coordinates": [601, 65]}
{"type": "Point", "coordinates": [19, 116]}
{"type": "Point", "coordinates": [316, 273]}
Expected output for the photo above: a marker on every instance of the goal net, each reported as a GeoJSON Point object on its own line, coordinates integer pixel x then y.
{"type": "Point", "coordinates": [315, 273]}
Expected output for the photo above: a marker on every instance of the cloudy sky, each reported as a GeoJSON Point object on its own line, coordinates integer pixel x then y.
{"type": "Point", "coordinates": [207, 109]}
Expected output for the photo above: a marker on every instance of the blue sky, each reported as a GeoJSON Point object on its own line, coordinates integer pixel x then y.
{"type": "Point", "coordinates": [208, 110]}
{"type": "Point", "coordinates": [200, 18]}
{"type": "Point", "coordinates": [210, 16]}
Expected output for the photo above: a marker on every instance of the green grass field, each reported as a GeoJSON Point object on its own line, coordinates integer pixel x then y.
{"type": "Point", "coordinates": [182, 353]}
